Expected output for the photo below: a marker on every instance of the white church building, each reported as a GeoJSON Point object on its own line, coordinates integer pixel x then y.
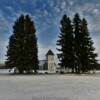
{"type": "Point", "coordinates": [49, 63]}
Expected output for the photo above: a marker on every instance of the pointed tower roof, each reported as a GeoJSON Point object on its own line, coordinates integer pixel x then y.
{"type": "Point", "coordinates": [49, 53]}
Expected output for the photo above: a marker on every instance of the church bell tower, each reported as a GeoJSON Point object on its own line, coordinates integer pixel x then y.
{"type": "Point", "coordinates": [50, 61]}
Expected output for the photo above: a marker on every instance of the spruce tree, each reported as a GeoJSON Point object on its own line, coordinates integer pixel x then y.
{"type": "Point", "coordinates": [10, 63]}
{"type": "Point", "coordinates": [66, 42]}
{"type": "Point", "coordinates": [78, 38]}
{"type": "Point", "coordinates": [30, 45]}
{"type": "Point", "coordinates": [23, 51]}
{"type": "Point", "coordinates": [84, 50]}
{"type": "Point", "coordinates": [84, 40]}
{"type": "Point", "coordinates": [15, 47]}
{"type": "Point", "coordinates": [88, 56]}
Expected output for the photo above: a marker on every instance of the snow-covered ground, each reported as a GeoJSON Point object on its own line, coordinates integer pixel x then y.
{"type": "Point", "coordinates": [49, 87]}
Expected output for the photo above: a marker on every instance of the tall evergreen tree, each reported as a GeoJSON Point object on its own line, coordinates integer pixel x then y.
{"type": "Point", "coordinates": [31, 45]}
{"type": "Point", "coordinates": [88, 57]}
{"type": "Point", "coordinates": [11, 53]}
{"type": "Point", "coordinates": [85, 56]}
{"type": "Point", "coordinates": [66, 42]}
{"type": "Point", "coordinates": [15, 47]}
{"type": "Point", "coordinates": [22, 49]}
{"type": "Point", "coordinates": [84, 40]}
{"type": "Point", "coordinates": [78, 38]}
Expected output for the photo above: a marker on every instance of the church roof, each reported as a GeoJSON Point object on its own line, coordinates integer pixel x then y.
{"type": "Point", "coordinates": [49, 53]}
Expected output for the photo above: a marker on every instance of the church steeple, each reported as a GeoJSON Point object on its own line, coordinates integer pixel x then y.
{"type": "Point", "coordinates": [49, 52]}
{"type": "Point", "coordinates": [50, 60]}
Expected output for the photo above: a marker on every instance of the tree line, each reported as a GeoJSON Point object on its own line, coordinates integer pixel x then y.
{"type": "Point", "coordinates": [76, 50]}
